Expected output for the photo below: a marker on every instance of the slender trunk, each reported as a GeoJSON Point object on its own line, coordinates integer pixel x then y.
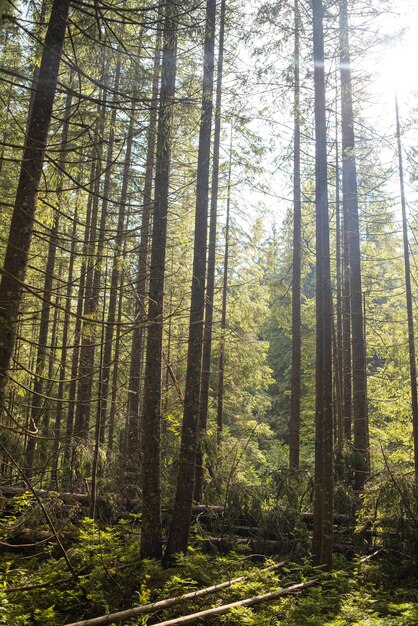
{"type": "Point", "coordinates": [210, 289]}
{"type": "Point", "coordinates": [137, 349]}
{"type": "Point", "coordinates": [114, 281]}
{"type": "Point", "coordinates": [63, 359]}
{"type": "Point", "coordinates": [20, 234]}
{"type": "Point", "coordinates": [220, 402]}
{"type": "Point", "coordinates": [294, 424]}
{"type": "Point", "coordinates": [346, 328]}
{"type": "Point", "coordinates": [151, 486]}
{"type": "Point", "coordinates": [37, 400]}
{"type": "Point", "coordinates": [71, 428]}
{"type": "Point", "coordinates": [97, 431]}
{"type": "Point", "coordinates": [85, 293]}
{"type": "Point", "coordinates": [180, 524]}
{"type": "Point", "coordinates": [339, 376]}
{"type": "Point", "coordinates": [112, 415]}
{"type": "Point", "coordinates": [323, 504]}
{"type": "Point", "coordinates": [409, 301]}
{"type": "Point", "coordinates": [360, 417]}
{"type": "Point", "coordinates": [87, 352]}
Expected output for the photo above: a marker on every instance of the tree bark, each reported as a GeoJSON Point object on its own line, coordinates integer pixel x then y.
{"type": "Point", "coordinates": [87, 351]}
{"type": "Point", "coordinates": [137, 348]}
{"type": "Point", "coordinates": [294, 423]}
{"type": "Point", "coordinates": [20, 234]}
{"type": "Point", "coordinates": [220, 394]}
{"type": "Point", "coordinates": [180, 524]}
{"type": "Point", "coordinates": [114, 281]}
{"type": "Point", "coordinates": [210, 288]}
{"type": "Point", "coordinates": [323, 504]}
{"type": "Point", "coordinates": [38, 386]}
{"type": "Point", "coordinates": [349, 168]}
{"type": "Point", "coordinates": [151, 537]}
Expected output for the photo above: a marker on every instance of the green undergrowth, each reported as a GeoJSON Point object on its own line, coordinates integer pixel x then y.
{"type": "Point", "coordinates": [111, 577]}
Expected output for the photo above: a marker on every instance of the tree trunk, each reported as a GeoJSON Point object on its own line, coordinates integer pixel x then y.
{"type": "Point", "coordinates": [294, 423]}
{"type": "Point", "coordinates": [323, 504]}
{"type": "Point", "coordinates": [360, 417]}
{"type": "Point", "coordinates": [63, 359]}
{"type": "Point", "coordinates": [17, 252]}
{"type": "Point", "coordinates": [84, 303]}
{"type": "Point", "coordinates": [151, 486]}
{"type": "Point", "coordinates": [137, 349]}
{"type": "Point", "coordinates": [180, 524]}
{"type": "Point", "coordinates": [210, 288]}
{"type": "Point", "coordinates": [339, 377]}
{"type": "Point", "coordinates": [220, 402]}
{"type": "Point", "coordinates": [87, 352]}
{"type": "Point", "coordinates": [114, 281]}
{"type": "Point", "coordinates": [409, 301]}
{"type": "Point", "coordinates": [37, 400]}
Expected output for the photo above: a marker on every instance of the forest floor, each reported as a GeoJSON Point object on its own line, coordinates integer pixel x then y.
{"type": "Point", "coordinates": [37, 586]}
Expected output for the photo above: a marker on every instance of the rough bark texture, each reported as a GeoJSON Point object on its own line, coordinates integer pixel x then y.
{"type": "Point", "coordinates": [17, 251]}
{"type": "Point", "coordinates": [137, 349]}
{"type": "Point", "coordinates": [89, 334]}
{"type": "Point", "coordinates": [210, 288]}
{"type": "Point", "coordinates": [114, 283]}
{"type": "Point", "coordinates": [151, 481]}
{"type": "Point", "coordinates": [180, 525]}
{"type": "Point", "coordinates": [338, 385]}
{"type": "Point", "coordinates": [37, 401]}
{"type": "Point", "coordinates": [323, 505]}
{"type": "Point", "coordinates": [294, 423]}
{"type": "Point", "coordinates": [360, 417]}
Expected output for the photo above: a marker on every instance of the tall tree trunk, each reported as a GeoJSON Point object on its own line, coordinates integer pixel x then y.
{"type": "Point", "coordinates": [323, 504]}
{"type": "Point", "coordinates": [20, 234]}
{"type": "Point", "coordinates": [409, 302]}
{"type": "Point", "coordinates": [77, 410]}
{"type": "Point", "coordinates": [346, 328]}
{"type": "Point", "coordinates": [210, 288]}
{"type": "Point", "coordinates": [63, 358]}
{"type": "Point", "coordinates": [89, 334]}
{"type": "Point", "coordinates": [137, 348]}
{"type": "Point", "coordinates": [70, 426]}
{"type": "Point", "coordinates": [180, 524]}
{"type": "Point", "coordinates": [339, 386]}
{"type": "Point", "coordinates": [114, 281]}
{"type": "Point", "coordinates": [113, 405]}
{"type": "Point", "coordinates": [151, 486]}
{"type": "Point", "coordinates": [37, 396]}
{"type": "Point", "coordinates": [360, 417]}
{"type": "Point", "coordinates": [220, 398]}
{"type": "Point", "coordinates": [294, 423]}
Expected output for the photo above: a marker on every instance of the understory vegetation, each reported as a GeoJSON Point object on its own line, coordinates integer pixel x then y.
{"type": "Point", "coordinates": [208, 289]}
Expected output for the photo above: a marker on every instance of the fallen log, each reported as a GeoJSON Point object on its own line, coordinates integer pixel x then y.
{"type": "Point", "coordinates": [225, 608]}
{"type": "Point", "coordinates": [265, 597]}
{"type": "Point", "coordinates": [65, 496]}
{"type": "Point", "coordinates": [120, 616]}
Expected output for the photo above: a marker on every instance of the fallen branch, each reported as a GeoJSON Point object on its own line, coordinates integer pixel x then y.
{"type": "Point", "coordinates": [65, 496]}
{"type": "Point", "coordinates": [225, 608]}
{"type": "Point", "coordinates": [265, 597]}
{"type": "Point", "coordinates": [164, 604]}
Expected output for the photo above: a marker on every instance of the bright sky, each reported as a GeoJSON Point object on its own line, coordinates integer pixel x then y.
{"type": "Point", "coordinates": [392, 63]}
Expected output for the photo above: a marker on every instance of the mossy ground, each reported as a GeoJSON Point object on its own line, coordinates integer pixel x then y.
{"type": "Point", "coordinates": [380, 592]}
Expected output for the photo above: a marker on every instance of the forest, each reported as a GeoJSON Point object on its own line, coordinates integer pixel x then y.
{"type": "Point", "coordinates": [208, 379]}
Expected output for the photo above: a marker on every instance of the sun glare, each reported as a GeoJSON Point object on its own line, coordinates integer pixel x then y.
{"type": "Point", "coordinates": [397, 64]}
